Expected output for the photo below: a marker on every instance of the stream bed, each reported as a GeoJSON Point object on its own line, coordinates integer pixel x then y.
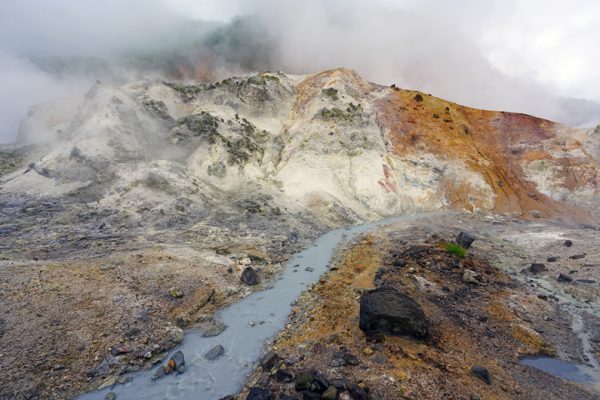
{"type": "Point", "coordinates": [250, 324]}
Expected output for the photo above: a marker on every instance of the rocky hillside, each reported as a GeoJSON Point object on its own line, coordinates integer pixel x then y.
{"type": "Point", "coordinates": [330, 146]}
{"type": "Point", "coordinates": [131, 212]}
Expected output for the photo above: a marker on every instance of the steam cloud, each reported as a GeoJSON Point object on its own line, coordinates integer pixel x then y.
{"type": "Point", "coordinates": [59, 47]}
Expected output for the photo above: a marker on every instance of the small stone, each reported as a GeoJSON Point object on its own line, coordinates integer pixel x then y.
{"type": "Point", "coordinates": [368, 351]}
{"type": "Point", "coordinates": [536, 214]}
{"type": "Point", "coordinates": [110, 396]}
{"type": "Point", "coordinates": [536, 268]}
{"type": "Point", "coordinates": [577, 256]}
{"type": "Point", "coordinates": [564, 278]}
{"type": "Point", "coordinates": [250, 276]}
{"type": "Point", "coordinates": [303, 382]}
{"type": "Point", "coordinates": [344, 358]}
{"type": "Point", "coordinates": [117, 350]}
{"type": "Point", "coordinates": [257, 393]}
{"type": "Point", "coordinates": [330, 394]}
{"type": "Point", "coordinates": [465, 239]}
{"type": "Point", "coordinates": [552, 259]}
{"type": "Point", "coordinates": [472, 276]}
{"type": "Point", "coordinates": [175, 293]}
{"type": "Point", "coordinates": [269, 360]}
{"type": "Point", "coordinates": [159, 373]}
{"type": "Point", "coordinates": [542, 297]}
{"type": "Point", "coordinates": [179, 361]}
{"type": "Point", "coordinates": [215, 352]}
{"type": "Point", "coordinates": [112, 381]}
{"type": "Point", "coordinates": [568, 243]}
{"type": "Point", "coordinates": [175, 335]}
{"type": "Point", "coordinates": [482, 373]}
{"type": "Point", "coordinates": [284, 376]}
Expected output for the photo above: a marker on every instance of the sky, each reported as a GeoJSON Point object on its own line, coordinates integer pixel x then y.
{"type": "Point", "coordinates": [531, 56]}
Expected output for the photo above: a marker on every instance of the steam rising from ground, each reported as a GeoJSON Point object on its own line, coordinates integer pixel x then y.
{"type": "Point", "coordinates": [494, 54]}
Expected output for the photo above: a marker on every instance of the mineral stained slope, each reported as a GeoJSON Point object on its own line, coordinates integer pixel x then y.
{"type": "Point", "coordinates": [111, 202]}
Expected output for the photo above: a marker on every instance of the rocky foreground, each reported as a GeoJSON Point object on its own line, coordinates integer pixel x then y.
{"type": "Point", "coordinates": [399, 317]}
{"type": "Point", "coordinates": [131, 213]}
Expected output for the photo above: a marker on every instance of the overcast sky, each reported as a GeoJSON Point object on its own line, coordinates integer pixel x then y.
{"type": "Point", "coordinates": [516, 55]}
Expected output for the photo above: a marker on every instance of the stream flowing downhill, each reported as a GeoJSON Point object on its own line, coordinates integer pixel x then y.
{"type": "Point", "coordinates": [250, 324]}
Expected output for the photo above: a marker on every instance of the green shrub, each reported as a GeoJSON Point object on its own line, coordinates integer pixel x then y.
{"type": "Point", "coordinates": [455, 249]}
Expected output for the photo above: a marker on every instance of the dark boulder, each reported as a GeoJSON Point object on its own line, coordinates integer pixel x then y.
{"type": "Point", "coordinates": [269, 360]}
{"type": "Point", "coordinates": [482, 373]}
{"type": "Point", "coordinates": [257, 393]}
{"type": "Point", "coordinates": [568, 243]}
{"type": "Point", "coordinates": [387, 311]}
{"type": "Point", "coordinates": [537, 268]}
{"type": "Point", "coordinates": [284, 376]}
{"type": "Point", "coordinates": [564, 278]}
{"type": "Point", "coordinates": [465, 239]}
{"type": "Point", "coordinates": [250, 276]}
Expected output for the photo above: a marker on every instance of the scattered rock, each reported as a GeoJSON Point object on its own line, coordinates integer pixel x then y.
{"type": "Point", "coordinates": [214, 353]}
{"type": "Point", "coordinates": [175, 335]}
{"type": "Point", "coordinates": [284, 376]}
{"type": "Point", "coordinates": [257, 393]}
{"type": "Point", "coordinates": [568, 243]}
{"type": "Point", "coordinates": [552, 259]}
{"type": "Point", "coordinates": [250, 276]}
{"type": "Point", "coordinates": [542, 297]}
{"type": "Point", "coordinates": [303, 382]}
{"type": "Point", "coordinates": [564, 278]}
{"type": "Point", "coordinates": [330, 394]}
{"type": "Point", "coordinates": [110, 396]}
{"type": "Point", "coordinates": [586, 281]}
{"type": "Point", "coordinates": [120, 349]}
{"type": "Point", "coordinates": [344, 358]}
{"type": "Point", "coordinates": [268, 361]}
{"type": "Point", "coordinates": [109, 382]}
{"type": "Point", "coordinates": [387, 311]}
{"type": "Point", "coordinates": [577, 256]}
{"type": "Point", "coordinates": [159, 373]}
{"type": "Point", "coordinates": [465, 239]}
{"type": "Point", "coordinates": [482, 373]}
{"type": "Point", "coordinates": [536, 268]}
{"type": "Point", "coordinates": [175, 293]}
{"type": "Point", "coordinates": [536, 214]}
{"type": "Point", "coordinates": [472, 277]}
{"type": "Point", "coordinates": [179, 362]}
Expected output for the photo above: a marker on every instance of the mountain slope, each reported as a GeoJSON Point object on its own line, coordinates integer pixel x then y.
{"type": "Point", "coordinates": [329, 144]}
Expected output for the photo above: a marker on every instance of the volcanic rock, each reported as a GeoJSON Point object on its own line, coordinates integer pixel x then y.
{"type": "Point", "coordinates": [390, 312]}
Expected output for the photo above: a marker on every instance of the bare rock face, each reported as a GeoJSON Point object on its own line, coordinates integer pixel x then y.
{"type": "Point", "coordinates": [390, 312]}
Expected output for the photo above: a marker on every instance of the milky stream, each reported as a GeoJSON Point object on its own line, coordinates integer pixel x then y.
{"type": "Point", "coordinates": [250, 324]}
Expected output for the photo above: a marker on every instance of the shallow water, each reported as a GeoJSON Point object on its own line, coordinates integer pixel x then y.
{"type": "Point", "coordinates": [563, 369]}
{"type": "Point", "coordinates": [250, 324]}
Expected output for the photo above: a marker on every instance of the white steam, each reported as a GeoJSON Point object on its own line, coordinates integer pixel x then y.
{"type": "Point", "coordinates": [534, 57]}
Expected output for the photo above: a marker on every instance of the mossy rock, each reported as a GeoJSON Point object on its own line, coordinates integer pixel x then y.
{"type": "Point", "coordinates": [332, 93]}
{"type": "Point", "coordinates": [187, 92]}
{"type": "Point", "coordinates": [352, 114]}
{"type": "Point", "coordinates": [158, 108]}
{"type": "Point", "coordinates": [202, 125]}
